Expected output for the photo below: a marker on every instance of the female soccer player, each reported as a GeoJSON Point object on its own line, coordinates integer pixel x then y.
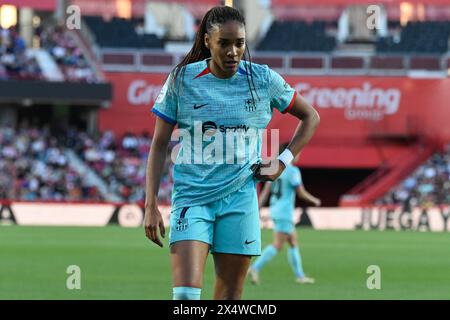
{"type": "Point", "coordinates": [218, 91]}
{"type": "Point", "coordinates": [282, 204]}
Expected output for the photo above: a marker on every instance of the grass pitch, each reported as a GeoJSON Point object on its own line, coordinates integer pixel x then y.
{"type": "Point", "coordinates": [120, 263]}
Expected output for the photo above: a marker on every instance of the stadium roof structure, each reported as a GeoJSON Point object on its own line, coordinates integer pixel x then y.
{"type": "Point", "coordinates": [53, 92]}
{"type": "Point", "coordinates": [353, 2]}
{"type": "Point", "coordinates": [213, 2]}
{"type": "Point", "coordinates": [47, 5]}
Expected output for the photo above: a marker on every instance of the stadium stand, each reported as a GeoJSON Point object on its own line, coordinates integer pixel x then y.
{"type": "Point", "coordinates": [121, 162]}
{"type": "Point", "coordinates": [429, 184]}
{"type": "Point", "coordinates": [297, 36]}
{"type": "Point", "coordinates": [121, 33]}
{"type": "Point", "coordinates": [118, 166]}
{"type": "Point", "coordinates": [419, 37]}
{"type": "Point", "coordinates": [65, 51]}
{"type": "Point", "coordinates": [15, 61]}
{"type": "Point", "coordinates": [19, 62]}
{"type": "Point", "coordinates": [33, 167]}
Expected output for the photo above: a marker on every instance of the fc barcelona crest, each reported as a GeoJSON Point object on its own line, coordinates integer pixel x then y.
{"type": "Point", "coordinates": [250, 105]}
{"type": "Point", "coordinates": [182, 224]}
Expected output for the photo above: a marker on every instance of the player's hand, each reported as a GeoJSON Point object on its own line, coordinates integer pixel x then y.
{"type": "Point", "coordinates": [318, 202]}
{"type": "Point", "coordinates": [268, 171]}
{"type": "Point", "coordinates": [153, 220]}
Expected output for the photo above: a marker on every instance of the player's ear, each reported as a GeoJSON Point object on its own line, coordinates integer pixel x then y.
{"type": "Point", "coordinates": [206, 40]}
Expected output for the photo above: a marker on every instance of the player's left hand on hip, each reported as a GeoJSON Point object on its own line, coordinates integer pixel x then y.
{"type": "Point", "coordinates": [268, 171]}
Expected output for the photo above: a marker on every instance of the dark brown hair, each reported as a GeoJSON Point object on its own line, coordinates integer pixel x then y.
{"type": "Point", "coordinates": [213, 18]}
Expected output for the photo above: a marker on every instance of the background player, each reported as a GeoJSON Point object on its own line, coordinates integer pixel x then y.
{"type": "Point", "coordinates": [282, 205]}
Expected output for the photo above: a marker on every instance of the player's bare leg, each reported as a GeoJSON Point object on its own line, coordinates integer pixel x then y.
{"type": "Point", "coordinates": [188, 260]}
{"type": "Point", "coordinates": [254, 275]}
{"type": "Point", "coordinates": [231, 270]}
{"type": "Point", "coordinates": [278, 241]}
{"type": "Point", "coordinates": [292, 241]}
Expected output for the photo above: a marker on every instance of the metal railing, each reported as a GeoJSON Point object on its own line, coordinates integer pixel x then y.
{"type": "Point", "coordinates": [286, 59]}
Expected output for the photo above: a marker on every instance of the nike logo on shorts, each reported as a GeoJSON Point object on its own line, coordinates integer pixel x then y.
{"type": "Point", "coordinates": [248, 242]}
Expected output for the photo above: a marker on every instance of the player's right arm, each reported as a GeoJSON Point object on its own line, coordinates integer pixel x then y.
{"type": "Point", "coordinates": [165, 108]}
{"type": "Point", "coordinates": [155, 164]}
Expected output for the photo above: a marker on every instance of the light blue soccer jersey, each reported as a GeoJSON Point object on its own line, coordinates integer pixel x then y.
{"type": "Point", "coordinates": [283, 192]}
{"type": "Point", "coordinates": [214, 116]}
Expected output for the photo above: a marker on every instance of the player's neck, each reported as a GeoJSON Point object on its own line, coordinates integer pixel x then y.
{"type": "Point", "coordinates": [216, 71]}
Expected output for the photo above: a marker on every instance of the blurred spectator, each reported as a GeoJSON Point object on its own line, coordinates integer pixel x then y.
{"type": "Point", "coordinates": [15, 61]}
{"type": "Point", "coordinates": [33, 166]}
{"type": "Point", "coordinates": [428, 185]}
{"type": "Point", "coordinates": [139, 28]}
{"type": "Point", "coordinates": [69, 57]}
{"type": "Point", "coordinates": [122, 163]}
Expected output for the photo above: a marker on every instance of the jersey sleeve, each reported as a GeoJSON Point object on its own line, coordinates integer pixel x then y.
{"type": "Point", "coordinates": [282, 95]}
{"type": "Point", "coordinates": [166, 104]}
{"type": "Point", "coordinates": [295, 178]}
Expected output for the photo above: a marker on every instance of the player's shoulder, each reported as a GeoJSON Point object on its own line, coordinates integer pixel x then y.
{"type": "Point", "coordinates": [257, 68]}
{"type": "Point", "coordinates": [259, 71]}
{"type": "Point", "coordinates": [194, 68]}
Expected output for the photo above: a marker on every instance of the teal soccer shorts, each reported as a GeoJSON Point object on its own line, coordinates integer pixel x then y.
{"type": "Point", "coordinates": [229, 225]}
{"type": "Point", "coordinates": [283, 226]}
